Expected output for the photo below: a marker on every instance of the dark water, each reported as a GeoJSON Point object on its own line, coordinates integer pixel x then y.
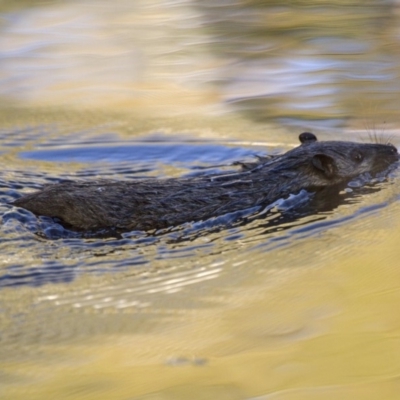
{"type": "Point", "coordinates": [304, 292]}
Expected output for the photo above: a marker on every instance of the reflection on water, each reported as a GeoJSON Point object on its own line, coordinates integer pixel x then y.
{"type": "Point", "coordinates": [89, 302]}
{"type": "Point", "coordinates": [330, 63]}
{"type": "Point", "coordinates": [300, 303]}
{"type": "Point", "coordinates": [93, 54]}
{"type": "Point", "coordinates": [313, 62]}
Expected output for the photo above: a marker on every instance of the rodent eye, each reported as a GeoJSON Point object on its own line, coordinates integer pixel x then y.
{"type": "Point", "coordinates": [357, 156]}
{"type": "Point", "coordinates": [393, 149]}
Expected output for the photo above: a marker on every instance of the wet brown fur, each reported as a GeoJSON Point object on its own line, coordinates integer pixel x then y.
{"type": "Point", "coordinates": [154, 204]}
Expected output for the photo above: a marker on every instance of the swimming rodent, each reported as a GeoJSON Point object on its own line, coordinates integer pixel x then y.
{"type": "Point", "coordinates": [154, 204]}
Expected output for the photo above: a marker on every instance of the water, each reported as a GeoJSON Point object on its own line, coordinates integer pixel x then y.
{"type": "Point", "coordinates": [297, 303]}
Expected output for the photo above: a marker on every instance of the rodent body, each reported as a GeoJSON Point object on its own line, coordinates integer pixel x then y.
{"type": "Point", "coordinates": [155, 204]}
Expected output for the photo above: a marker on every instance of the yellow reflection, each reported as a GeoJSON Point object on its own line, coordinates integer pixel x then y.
{"type": "Point", "coordinates": [331, 330]}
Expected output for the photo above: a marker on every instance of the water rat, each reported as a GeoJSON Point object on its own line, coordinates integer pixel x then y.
{"type": "Point", "coordinates": [153, 204]}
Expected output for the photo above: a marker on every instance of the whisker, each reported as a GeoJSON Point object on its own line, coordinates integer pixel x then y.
{"type": "Point", "coordinates": [389, 139]}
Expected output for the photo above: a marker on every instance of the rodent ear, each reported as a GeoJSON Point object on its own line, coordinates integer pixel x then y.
{"type": "Point", "coordinates": [307, 137]}
{"type": "Point", "coordinates": [324, 163]}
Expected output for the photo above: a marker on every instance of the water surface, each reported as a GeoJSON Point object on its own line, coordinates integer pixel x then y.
{"type": "Point", "coordinates": [290, 305]}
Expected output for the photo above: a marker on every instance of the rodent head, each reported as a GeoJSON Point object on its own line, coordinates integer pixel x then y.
{"type": "Point", "coordinates": [340, 161]}
{"type": "Point", "coordinates": [335, 162]}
